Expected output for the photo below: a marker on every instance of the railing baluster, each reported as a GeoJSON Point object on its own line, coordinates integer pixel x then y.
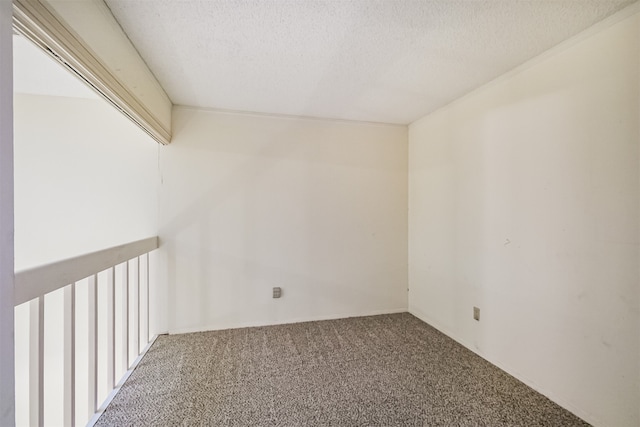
{"type": "Point", "coordinates": [33, 286]}
{"type": "Point", "coordinates": [148, 338]}
{"type": "Point", "coordinates": [69, 355]}
{"type": "Point", "coordinates": [34, 352]}
{"type": "Point", "coordinates": [125, 316]}
{"type": "Point", "coordinates": [95, 344]}
{"type": "Point", "coordinates": [133, 316]}
{"type": "Point", "coordinates": [111, 328]}
{"type": "Point", "coordinates": [36, 362]}
{"type": "Point", "coordinates": [138, 306]}
{"type": "Point", "coordinates": [92, 349]}
{"type": "Point", "coordinates": [41, 361]}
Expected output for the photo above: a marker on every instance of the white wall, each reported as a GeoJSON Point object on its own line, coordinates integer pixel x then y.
{"type": "Point", "coordinates": [86, 179]}
{"type": "Point", "coordinates": [249, 202]}
{"type": "Point", "coordinates": [523, 201]}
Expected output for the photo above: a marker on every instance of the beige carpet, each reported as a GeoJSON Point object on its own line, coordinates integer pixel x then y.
{"type": "Point", "coordinates": [391, 370]}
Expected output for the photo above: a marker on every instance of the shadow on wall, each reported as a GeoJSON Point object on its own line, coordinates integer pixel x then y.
{"type": "Point", "coordinates": [314, 206]}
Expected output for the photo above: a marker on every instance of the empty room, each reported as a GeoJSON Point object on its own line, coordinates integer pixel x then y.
{"type": "Point", "coordinates": [320, 213]}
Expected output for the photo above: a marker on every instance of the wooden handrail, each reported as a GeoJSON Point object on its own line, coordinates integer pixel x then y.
{"type": "Point", "coordinates": [38, 281]}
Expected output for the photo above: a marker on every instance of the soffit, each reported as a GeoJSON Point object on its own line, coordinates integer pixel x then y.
{"type": "Point", "coordinates": [390, 61]}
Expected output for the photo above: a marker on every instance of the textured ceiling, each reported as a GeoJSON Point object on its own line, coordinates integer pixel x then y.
{"type": "Point", "coordinates": [387, 61]}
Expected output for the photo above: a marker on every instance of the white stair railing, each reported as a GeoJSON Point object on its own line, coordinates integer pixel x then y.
{"type": "Point", "coordinates": [47, 301]}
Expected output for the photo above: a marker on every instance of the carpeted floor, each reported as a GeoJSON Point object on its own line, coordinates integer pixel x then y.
{"type": "Point", "coordinates": [390, 370]}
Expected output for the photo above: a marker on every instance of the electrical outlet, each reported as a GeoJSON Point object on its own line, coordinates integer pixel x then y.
{"type": "Point", "coordinates": [476, 313]}
{"type": "Point", "coordinates": [277, 292]}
